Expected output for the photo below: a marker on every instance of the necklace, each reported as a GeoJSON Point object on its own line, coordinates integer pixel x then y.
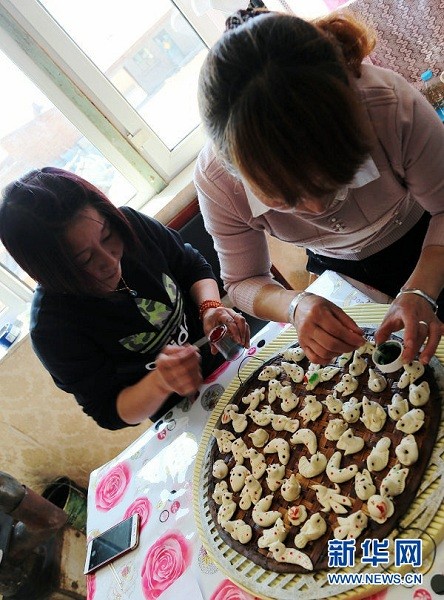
{"type": "Point", "coordinates": [126, 288]}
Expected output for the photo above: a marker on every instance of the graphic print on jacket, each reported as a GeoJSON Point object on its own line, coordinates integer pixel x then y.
{"type": "Point", "coordinates": [169, 321]}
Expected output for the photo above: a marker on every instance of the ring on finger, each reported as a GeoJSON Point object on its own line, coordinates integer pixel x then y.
{"type": "Point", "coordinates": [423, 323]}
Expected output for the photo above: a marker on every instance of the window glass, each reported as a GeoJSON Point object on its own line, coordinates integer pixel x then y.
{"type": "Point", "coordinates": [147, 50]}
{"type": "Point", "coordinates": [34, 134]}
{"type": "Point", "coordinates": [11, 308]}
{"type": "Point", "coordinates": [9, 263]}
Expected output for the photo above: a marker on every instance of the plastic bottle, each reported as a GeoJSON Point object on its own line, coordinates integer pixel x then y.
{"type": "Point", "coordinates": [9, 333]}
{"type": "Point", "coordinates": [433, 90]}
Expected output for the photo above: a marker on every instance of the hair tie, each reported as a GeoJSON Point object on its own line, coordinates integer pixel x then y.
{"type": "Point", "coordinates": [244, 15]}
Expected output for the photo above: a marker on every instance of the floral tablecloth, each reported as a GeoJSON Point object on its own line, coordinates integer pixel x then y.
{"type": "Point", "coordinates": [153, 477]}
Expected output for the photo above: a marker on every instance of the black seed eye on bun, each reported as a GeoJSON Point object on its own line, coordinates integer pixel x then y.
{"type": "Point", "coordinates": [375, 456]}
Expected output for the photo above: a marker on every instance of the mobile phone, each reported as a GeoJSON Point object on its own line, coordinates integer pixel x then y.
{"type": "Point", "coordinates": [112, 543]}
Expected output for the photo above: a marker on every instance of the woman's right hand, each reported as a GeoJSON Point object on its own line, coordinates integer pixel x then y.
{"type": "Point", "coordinates": [324, 330]}
{"type": "Point", "coordinates": [178, 369]}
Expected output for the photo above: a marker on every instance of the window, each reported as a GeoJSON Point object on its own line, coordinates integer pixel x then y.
{"type": "Point", "coordinates": [148, 52]}
{"type": "Point", "coordinates": [34, 133]}
{"type": "Point", "coordinates": [14, 300]}
{"type": "Point", "coordinates": [107, 90]}
{"type": "Point", "coordinates": [136, 63]}
{"type": "Point", "coordinates": [114, 103]}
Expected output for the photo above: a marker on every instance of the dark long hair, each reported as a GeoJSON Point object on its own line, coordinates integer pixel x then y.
{"type": "Point", "coordinates": [275, 98]}
{"type": "Point", "coordinates": [35, 212]}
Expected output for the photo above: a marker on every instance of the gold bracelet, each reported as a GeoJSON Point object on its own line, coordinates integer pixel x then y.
{"type": "Point", "coordinates": [206, 304]}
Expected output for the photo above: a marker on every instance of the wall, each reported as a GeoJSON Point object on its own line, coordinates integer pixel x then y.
{"type": "Point", "coordinates": [43, 431]}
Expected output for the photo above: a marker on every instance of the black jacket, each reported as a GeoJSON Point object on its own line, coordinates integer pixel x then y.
{"type": "Point", "coordinates": [95, 347]}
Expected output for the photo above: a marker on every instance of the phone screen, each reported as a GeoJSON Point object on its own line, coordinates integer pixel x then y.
{"type": "Point", "coordinates": [112, 543]}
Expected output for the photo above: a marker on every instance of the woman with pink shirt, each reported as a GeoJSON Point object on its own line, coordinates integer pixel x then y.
{"type": "Point", "coordinates": [313, 146]}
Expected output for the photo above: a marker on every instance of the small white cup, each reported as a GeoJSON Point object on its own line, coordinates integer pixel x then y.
{"type": "Point", "coordinates": [221, 339]}
{"type": "Point", "coordinates": [387, 356]}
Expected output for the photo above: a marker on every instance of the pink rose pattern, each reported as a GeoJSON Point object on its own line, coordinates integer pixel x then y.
{"type": "Point", "coordinates": [217, 373]}
{"type": "Point", "coordinates": [227, 590]}
{"type": "Point", "coordinates": [422, 594]}
{"type": "Point", "coordinates": [162, 434]}
{"type": "Point", "coordinates": [112, 486]}
{"type": "Point", "coordinates": [142, 506]}
{"type": "Point", "coordinates": [90, 586]}
{"type": "Point", "coordinates": [164, 562]}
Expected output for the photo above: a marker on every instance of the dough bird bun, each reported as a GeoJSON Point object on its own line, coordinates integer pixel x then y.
{"type": "Point", "coordinates": [304, 454]}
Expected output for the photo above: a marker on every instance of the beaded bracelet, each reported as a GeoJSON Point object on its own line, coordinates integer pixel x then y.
{"type": "Point", "coordinates": [206, 304]}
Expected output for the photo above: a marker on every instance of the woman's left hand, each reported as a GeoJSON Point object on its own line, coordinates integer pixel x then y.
{"type": "Point", "coordinates": [421, 326]}
{"type": "Point", "coordinates": [238, 327]}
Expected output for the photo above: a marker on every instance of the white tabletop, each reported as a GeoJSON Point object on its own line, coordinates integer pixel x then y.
{"type": "Point", "coordinates": [153, 476]}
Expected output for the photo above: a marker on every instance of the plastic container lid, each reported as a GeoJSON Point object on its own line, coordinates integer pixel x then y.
{"type": "Point", "coordinates": [426, 75]}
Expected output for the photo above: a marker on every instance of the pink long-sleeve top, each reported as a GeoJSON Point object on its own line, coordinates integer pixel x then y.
{"type": "Point", "coordinates": [402, 178]}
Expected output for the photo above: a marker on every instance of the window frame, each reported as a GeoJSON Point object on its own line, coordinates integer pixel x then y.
{"type": "Point", "coordinates": [34, 41]}
{"type": "Point", "coordinates": [70, 62]}
{"type": "Point", "coordinates": [16, 296]}
{"type": "Point", "coordinates": [29, 58]}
